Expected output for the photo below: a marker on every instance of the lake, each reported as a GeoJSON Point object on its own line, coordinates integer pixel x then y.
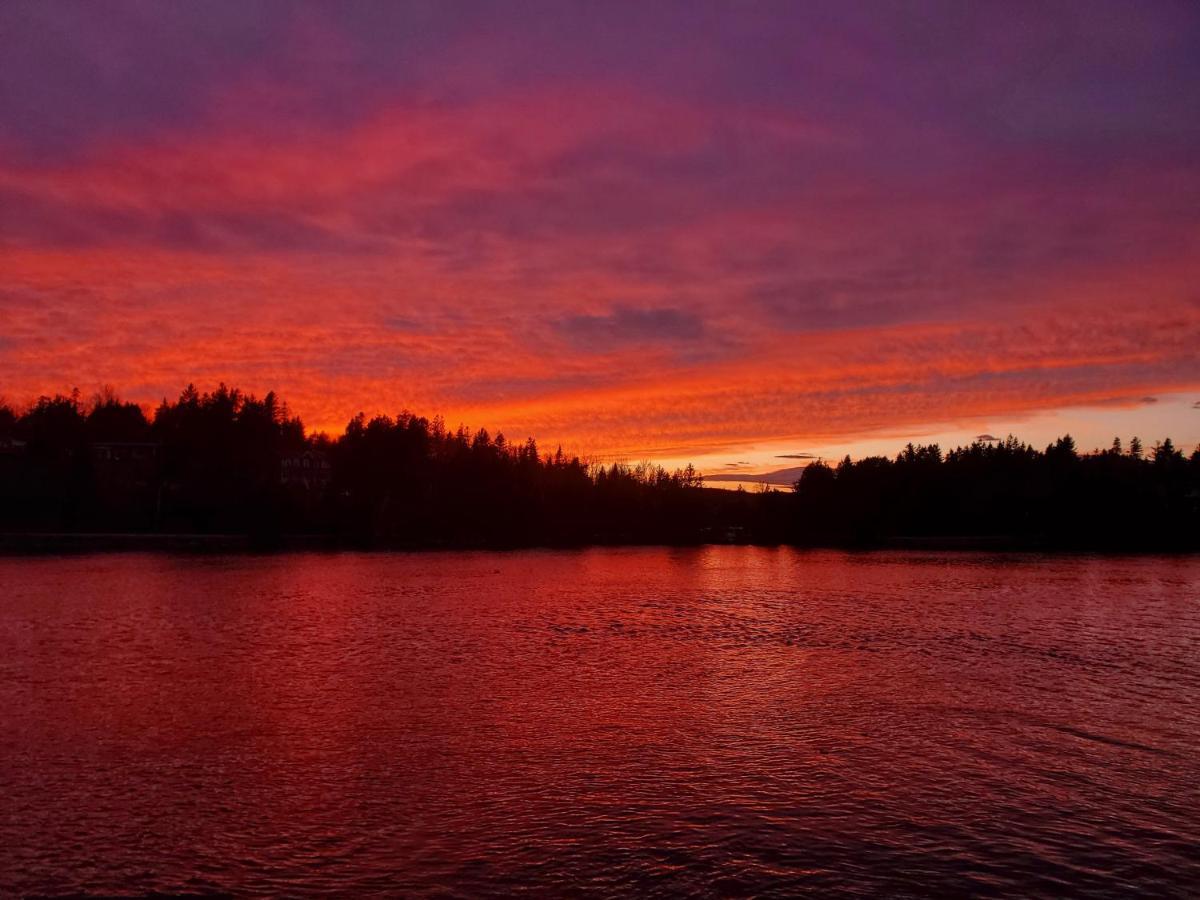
{"type": "Point", "coordinates": [722, 721]}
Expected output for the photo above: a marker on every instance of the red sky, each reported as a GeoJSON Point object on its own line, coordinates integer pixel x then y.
{"type": "Point", "coordinates": [717, 232]}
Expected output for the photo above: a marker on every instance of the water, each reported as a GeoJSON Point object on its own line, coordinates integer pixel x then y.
{"type": "Point", "coordinates": [713, 722]}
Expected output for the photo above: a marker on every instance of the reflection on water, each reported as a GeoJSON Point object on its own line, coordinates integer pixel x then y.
{"type": "Point", "coordinates": [725, 720]}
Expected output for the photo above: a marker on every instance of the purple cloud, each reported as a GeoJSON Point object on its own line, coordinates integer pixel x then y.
{"type": "Point", "coordinates": [625, 325]}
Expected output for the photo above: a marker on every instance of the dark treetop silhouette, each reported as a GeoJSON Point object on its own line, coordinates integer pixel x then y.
{"type": "Point", "coordinates": [227, 462]}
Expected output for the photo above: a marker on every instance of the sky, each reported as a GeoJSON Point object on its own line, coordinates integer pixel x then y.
{"type": "Point", "coordinates": [740, 233]}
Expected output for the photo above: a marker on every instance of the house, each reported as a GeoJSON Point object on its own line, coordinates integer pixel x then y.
{"type": "Point", "coordinates": [131, 454]}
{"type": "Point", "coordinates": [308, 469]}
{"type": "Point", "coordinates": [125, 465]}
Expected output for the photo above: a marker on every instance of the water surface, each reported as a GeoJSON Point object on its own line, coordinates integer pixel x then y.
{"type": "Point", "coordinates": [719, 721]}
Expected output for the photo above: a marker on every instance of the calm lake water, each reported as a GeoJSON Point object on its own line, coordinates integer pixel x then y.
{"type": "Point", "coordinates": [713, 722]}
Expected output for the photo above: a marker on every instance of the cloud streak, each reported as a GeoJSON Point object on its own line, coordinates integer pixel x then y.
{"type": "Point", "coordinates": [631, 326]}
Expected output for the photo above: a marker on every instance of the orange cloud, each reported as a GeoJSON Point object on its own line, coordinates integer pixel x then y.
{"type": "Point", "coordinates": [599, 267]}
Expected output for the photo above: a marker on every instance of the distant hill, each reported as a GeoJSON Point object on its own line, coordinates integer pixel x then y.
{"type": "Point", "coordinates": [782, 477]}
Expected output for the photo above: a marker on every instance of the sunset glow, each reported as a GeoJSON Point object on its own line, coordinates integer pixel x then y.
{"type": "Point", "coordinates": [648, 230]}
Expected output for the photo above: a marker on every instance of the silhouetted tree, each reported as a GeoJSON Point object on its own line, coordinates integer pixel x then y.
{"type": "Point", "coordinates": [8, 420]}
{"type": "Point", "coordinates": [1005, 489]}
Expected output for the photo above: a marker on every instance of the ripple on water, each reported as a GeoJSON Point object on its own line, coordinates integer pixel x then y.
{"type": "Point", "coordinates": [712, 722]}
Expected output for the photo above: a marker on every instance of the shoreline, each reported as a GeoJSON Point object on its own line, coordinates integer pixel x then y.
{"type": "Point", "coordinates": [52, 543]}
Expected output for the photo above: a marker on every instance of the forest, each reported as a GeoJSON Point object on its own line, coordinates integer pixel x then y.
{"type": "Point", "coordinates": [227, 462]}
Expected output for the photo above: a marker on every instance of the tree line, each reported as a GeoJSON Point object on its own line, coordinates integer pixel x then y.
{"type": "Point", "coordinates": [227, 462]}
{"type": "Point", "coordinates": [1113, 498]}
